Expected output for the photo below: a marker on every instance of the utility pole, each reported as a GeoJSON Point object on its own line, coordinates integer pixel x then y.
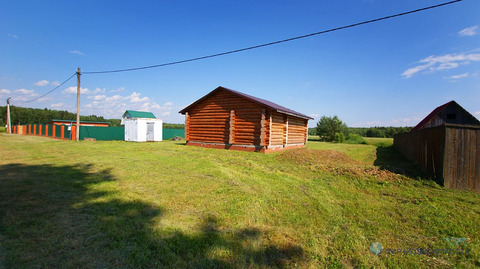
{"type": "Point", "coordinates": [77, 135]}
{"type": "Point", "coordinates": [9, 128]}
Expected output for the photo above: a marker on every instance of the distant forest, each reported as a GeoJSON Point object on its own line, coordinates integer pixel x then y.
{"type": "Point", "coordinates": [388, 132]}
{"type": "Point", "coordinates": [23, 115]}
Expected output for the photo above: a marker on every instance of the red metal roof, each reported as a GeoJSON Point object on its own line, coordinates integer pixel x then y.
{"type": "Point", "coordinates": [271, 105]}
{"type": "Point", "coordinates": [432, 115]}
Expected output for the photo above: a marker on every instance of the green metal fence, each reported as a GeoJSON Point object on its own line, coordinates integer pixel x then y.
{"type": "Point", "coordinates": [171, 133]}
{"type": "Point", "coordinates": [102, 133]}
{"type": "Point", "coordinates": [66, 132]}
{"type": "Point", "coordinates": [58, 131]}
{"type": "Point", "coordinates": [50, 129]}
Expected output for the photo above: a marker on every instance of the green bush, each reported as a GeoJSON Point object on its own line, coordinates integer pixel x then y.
{"type": "Point", "coordinates": [355, 139]}
{"type": "Point", "coordinates": [339, 137]}
{"type": "Point", "coordinates": [3, 130]}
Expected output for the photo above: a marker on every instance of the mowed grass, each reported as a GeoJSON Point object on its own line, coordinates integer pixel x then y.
{"type": "Point", "coordinates": [118, 204]}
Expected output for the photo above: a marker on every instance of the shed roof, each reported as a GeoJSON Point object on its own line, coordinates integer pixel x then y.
{"type": "Point", "coordinates": [437, 111]}
{"type": "Point", "coordinates": [263, 102]}
{"type": "Point", "coordinates": [139, 114]}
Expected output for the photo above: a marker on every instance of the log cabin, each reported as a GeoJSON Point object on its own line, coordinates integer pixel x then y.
{"type": "Point", "coordinates": [228, 119]}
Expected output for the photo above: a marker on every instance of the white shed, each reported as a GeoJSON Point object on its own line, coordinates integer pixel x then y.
{"type": "Point", "coordinates": [143, 130]}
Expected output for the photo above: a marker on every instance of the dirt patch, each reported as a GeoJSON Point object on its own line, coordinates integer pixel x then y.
{"type": "Point", "coordinates": [335, 162]}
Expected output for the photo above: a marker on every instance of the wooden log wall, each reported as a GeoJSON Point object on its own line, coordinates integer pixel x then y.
{"type": "Point", "coordinates": [227, 118]}
{"type": "Point", "coordinates": [209, 120]}
{"type": "Point", "coordinates": [278, 132]}
{"type": "Point", "coordinates": [297, 130]}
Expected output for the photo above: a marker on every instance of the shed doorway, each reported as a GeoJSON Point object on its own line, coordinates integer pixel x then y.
{"type": "Point", "coordinates": [150, 131]}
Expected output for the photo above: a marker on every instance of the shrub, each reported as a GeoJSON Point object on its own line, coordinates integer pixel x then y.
{"type": "Point", "coordinates": [355, 139]}
{"type": "Point", "coordinates": [339, 137]}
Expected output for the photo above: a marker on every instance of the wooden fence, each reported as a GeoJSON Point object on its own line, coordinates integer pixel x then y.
{"type": "Point", "coordinates": [451, 153]}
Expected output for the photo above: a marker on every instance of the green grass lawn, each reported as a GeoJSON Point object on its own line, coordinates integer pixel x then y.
{"type": "Point", "coordinates": [118, 204]}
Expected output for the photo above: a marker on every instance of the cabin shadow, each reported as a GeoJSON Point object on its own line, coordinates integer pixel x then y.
{"type": "Point", "coordinates": [71, 216]}
{"type": "Point", "coordinates": [388, 158]}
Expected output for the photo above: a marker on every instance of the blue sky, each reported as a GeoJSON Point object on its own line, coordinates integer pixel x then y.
{"type": "Point", "coordinates": [389, 73]}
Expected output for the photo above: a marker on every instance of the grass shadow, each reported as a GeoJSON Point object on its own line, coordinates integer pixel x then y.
{"type": "Point", "coordinates": [181, 143]}
{"type": "Point", "coordinates": [72, 217]}
{"type": "Point", "coordinates": [388, 158]}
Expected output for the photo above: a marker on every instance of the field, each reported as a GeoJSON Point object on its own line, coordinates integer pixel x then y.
{"type": "Point", "coordinates": [118, 204]}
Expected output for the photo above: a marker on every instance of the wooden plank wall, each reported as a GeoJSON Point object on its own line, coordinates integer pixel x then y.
{"type": "Point", "coordinates": [462, 158]}
{"type": "Point", "coordinates": [450, 153]}
{"type": "Point", "coordinates": [425, 147]}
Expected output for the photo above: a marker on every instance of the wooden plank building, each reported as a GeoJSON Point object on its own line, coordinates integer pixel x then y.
{"type": "Point", "coordinates": [229, 119]}
{"type": "Point", "coordinates": [446, 144]}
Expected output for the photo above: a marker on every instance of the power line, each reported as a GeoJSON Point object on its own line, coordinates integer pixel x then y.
{"type": "Point", "coordinates": [275, 42]}
{"type": "Point", "coordinates": [51, 90]}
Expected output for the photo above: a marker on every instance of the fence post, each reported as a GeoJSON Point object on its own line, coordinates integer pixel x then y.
{"type": "Point", "coordinates": [73, 132]}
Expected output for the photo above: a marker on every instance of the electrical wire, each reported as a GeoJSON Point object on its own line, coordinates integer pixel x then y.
{"type": "Point", "coordinates": [50, 90]}
{"type": "Point", "coordinates": [275, 42]}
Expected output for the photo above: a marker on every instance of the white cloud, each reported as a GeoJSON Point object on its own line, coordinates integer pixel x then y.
{"type": "Point", "coordinates": [41, 83]}
{"type": "Point", "coordinates": [57, 105]}
{"type": "Point", "coordinates": [135, 98]}
{"type": "Point", "coordinates": [314, 115]}
{"type": "Point", "coordinates": [4, 91]}
{"type": "Point", "coordinates": [156, 106]}
{"type": "Point", "coordinates": [444, 62]}
{"type": "Point", "coordinates": [13, 36]}
{"type": "Point", "coordinates": [73, 90]}
{"type": "Point", "coordinates": [114, 98]}
{"type": "Point", "coordinates": [77, 52]}
{"type": "Point", "coordinates": [114, 106]}
{"type": "Point", "coordinates": [121, 89]}
{"type": "Point", "coordinates": [99, 97]}
{"type": "Point", "coordinates": [98, 90]}
{"type": "Point", "coordinates": [24, 91]}
{"type": "Point", "coordinates": [402, 121]}
{"type": "Point", "coordinates": [55, 83]}
{"type": "Point", "coordinates": [477, 114]}
{"type": "Point", "coordinates": [469, 31]}
{"type": "Point", "coordinates": [465, 75]}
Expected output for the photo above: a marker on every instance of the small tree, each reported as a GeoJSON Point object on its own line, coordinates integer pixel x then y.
{"type": "Point", "coordinates": [332, 129]}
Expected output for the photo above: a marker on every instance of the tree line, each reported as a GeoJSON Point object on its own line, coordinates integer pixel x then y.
{"type": "Point", "coordinates": [333, 129]}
